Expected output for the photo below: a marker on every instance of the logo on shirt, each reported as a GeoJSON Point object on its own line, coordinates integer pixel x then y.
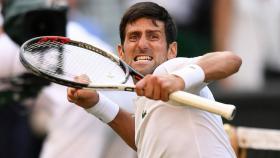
{"type": "Point", "coordinates": [144, 113]}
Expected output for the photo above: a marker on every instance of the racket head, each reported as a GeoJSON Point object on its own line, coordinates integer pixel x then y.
{"type": "Point", "coordinates": [60, 60]}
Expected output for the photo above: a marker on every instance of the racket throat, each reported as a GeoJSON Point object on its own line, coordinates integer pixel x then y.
{"type": "Point", "coordinates": [113, 87]}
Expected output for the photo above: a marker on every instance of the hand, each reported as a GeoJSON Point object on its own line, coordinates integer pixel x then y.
{"type": "Point", "coordinates": [159, 87]}
{"type": "Point", "coordinates": [85, 98]}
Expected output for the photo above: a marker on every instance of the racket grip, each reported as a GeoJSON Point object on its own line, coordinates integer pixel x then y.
{"type": "Point", "coordinates": [225, 110]}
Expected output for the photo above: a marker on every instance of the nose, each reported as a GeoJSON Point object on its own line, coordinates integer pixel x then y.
{"type": "Point", "coordinates": [143, 43]}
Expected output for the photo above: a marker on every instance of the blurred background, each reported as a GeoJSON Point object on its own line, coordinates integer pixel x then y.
{"type": "Point", "coordinates": [249, 28]}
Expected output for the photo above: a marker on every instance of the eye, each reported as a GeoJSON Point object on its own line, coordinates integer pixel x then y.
{"type": "Point", "coordinates": [154, 37]}
{"type": "Point", "coordinates": [133, 37]}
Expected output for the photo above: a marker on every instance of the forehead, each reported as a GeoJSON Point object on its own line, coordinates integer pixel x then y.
{"type": "Point", "coordinates": [144, 24]}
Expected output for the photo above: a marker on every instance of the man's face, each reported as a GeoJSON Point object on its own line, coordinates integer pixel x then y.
{"type": "Point", "coordinates": [145, 45]}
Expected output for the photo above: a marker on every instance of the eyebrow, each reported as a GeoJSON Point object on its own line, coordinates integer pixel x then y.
{"type": "Point", "coordinates": [152, 31]}
{"type": "Point", "coordinates": [148, 31]}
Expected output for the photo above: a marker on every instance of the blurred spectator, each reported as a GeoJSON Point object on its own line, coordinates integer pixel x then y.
{"type": "Point", "coordinates": [18, 88]}
{"type": "Point", "coordinates": [251, 29]}
{"type": "Point", "coordinates": [15, 136]}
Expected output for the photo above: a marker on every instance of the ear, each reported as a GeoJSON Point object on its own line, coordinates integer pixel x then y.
{"type": "Point", "coordinates": [121, 52]}
{"type": "Point", "coordinates": [172, 50]}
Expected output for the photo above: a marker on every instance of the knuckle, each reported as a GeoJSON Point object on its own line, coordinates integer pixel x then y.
{"type": "Point", "coordinates": [165, 87]}
{"type": "Point", "coordinates": [149, 94]}
{"type": "Point", "coordinates": [139, 91]}
{"type": "Point", "coordinates": [165, 99]}
{"type": "Point", "coordinates": [156, 97]}
{"type": "Point", "coordinates": [153, 77]}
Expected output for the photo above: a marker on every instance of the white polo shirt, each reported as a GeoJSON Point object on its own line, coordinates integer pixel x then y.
{"type": "Point", "coordinates": [168, 131]}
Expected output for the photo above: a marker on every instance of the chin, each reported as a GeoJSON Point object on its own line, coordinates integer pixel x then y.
{"type": "Point", "coordinates": [144, 69]}
{"type": "Point", "coordinates": [146, 72]}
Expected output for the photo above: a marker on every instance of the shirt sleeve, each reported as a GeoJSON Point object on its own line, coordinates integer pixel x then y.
{"type": "Point", "coordinates": [179, 64]}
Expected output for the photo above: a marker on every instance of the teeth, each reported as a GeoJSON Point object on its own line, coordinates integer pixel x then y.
{"type": "Point", "coordinates": [143, 58]}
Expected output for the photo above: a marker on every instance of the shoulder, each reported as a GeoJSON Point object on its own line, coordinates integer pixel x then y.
{"type": "Point", "coordinates": [180, 60]}
{"type": "Point", "coordinates": [175, 63]}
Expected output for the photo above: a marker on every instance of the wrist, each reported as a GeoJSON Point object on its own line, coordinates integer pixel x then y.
{"type": "Point", "coordinates": [105, 109]}
{"type": "Point", "coordinates": [192, 74]}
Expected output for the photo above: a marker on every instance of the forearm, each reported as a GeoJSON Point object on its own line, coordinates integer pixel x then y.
{"type": "Point", "coordinates": [124, 126]}
{"type": "Point", "coordinates": [106, 110]}
{"type": "Point", "coordinates": [118, 119]}
{"type": "Point", "coordinates": [219, 65]}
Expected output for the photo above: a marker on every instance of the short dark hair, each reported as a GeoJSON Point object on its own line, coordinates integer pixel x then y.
{"type": "Point", "coordinates": [152, 11]}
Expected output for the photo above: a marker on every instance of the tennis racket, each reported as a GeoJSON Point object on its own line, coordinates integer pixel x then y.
{"type": "Point", "coordinates": [60, 60]}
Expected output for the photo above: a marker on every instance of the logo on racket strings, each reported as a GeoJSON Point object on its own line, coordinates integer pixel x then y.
{"type": "Point", "coordinates": [59, 39]}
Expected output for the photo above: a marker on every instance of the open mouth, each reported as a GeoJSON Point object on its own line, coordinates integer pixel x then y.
{"type": "Point", "coordinates": [143, 58]}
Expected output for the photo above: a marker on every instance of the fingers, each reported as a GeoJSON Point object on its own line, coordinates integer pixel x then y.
{"type": "Point", "coordinates": [153, 87]}
{"type": "Point", "coordinates": [85, 98]}
{"type": "Point", "coordinates": [140, 86]}
{"type": "Point", "coordinates": [72, 95]}
{"type": "Point", "coordinates": [82, 78]}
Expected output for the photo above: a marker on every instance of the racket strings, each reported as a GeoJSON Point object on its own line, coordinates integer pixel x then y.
{"type": "Point", "coordinates": [43, 46]}
{"type": "Point", "coordinates": [37, 48]}
{"type": "Point", "coordinates": [73, 63]}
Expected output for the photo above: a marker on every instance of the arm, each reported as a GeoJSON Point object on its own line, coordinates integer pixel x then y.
{"type": "Point", "coordinates": [123, 125]}
{"type": "Point", "coordinates": [186, 76]}
{"type": "Point", "coordinates": [122, 122]}
{"type": "Point", "coordinates": [219, 65]}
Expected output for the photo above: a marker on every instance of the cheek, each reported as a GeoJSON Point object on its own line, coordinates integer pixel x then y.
{"type": "Point", "coordinates": [127, 58]}
{"type": "Point", "coordinates": [128, 52]}
{"type": "Point", "coordinates": [162, 57]}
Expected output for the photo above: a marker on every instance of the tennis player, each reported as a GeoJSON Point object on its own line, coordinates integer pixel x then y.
{"type": "Point", "coordinates": [159, 129]}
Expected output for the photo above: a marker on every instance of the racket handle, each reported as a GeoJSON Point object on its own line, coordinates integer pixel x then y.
{"type": "Point", "coordinates": [225, 110]}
